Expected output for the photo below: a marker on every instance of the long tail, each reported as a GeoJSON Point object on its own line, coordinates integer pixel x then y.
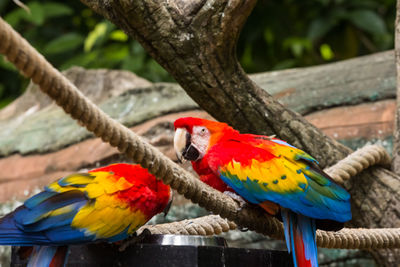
{"type": "Point", "coordinates": [48, 256]}
{"type": "Point", "coordinates": [300, 238]}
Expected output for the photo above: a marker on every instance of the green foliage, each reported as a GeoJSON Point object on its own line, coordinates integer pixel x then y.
{"type": "Point", "coordinates": [290, 33]}
{"type": "Point", "coordinates": [278, 34]}
{"type": "Point", "coordinates": [69, 34]}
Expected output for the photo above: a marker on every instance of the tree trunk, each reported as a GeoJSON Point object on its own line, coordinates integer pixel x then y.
{"type": "Point", "coordinates": [392, 257]}
{"type": "Point", "coordinates": [196, 42]}
{"type": "Point", "coordinates": [396, 134]}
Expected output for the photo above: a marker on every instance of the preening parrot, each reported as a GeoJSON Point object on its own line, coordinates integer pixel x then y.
{"type": "Point", "coordinates": [105, 204]}
{"type": "Point", "coordinates": [268, 172]}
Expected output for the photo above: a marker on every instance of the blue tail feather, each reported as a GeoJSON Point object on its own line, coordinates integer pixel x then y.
{"type": "Point", "coordinates": [46, 256]}
{"type": "Point", "coordinates": [300, 238]}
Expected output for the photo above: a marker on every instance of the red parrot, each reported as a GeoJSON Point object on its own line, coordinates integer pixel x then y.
{"type": "Point", "coordinates": [105, 204]}
{"type": "Point", "coordinates": [268, 172]}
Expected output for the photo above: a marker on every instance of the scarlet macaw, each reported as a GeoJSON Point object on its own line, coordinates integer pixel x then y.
{"type": "Point", "coordinates": [268, 172]}
{"type": "Point", "coordinates": [105, 204]}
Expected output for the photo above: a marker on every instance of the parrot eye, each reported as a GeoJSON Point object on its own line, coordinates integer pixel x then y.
{"type": "Point", "coordinates": [200, 132]}
{"type": "Point", "coordinates": [203, 131]}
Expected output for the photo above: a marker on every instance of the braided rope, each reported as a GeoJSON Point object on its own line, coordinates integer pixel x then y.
{"type": "Point", "coordinates": [356, 238]}
{"type": "Point", "coordinates": [53, 83]}
{"type": "Point", "coordinates": [358, 161]}
{"type": "Point", "coordinates": [207, 225]}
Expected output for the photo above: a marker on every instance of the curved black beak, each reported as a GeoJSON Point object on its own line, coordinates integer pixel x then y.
{"type": "Point", "coordinates": [190, 153]}
{"type": "Point", "coordinates": [184, 149]}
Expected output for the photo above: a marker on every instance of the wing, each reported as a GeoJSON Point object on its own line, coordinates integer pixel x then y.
{"type": "Point", "coordinates": [264, 169]}
{"type": "Point", "coordinates": [78, 208]}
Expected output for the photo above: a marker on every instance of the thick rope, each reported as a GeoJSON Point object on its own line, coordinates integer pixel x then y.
{"type": "Point", "coordinates": [358, 161]}
{"type": "Point", "coordinates": [355, 238]}
{"type": "Point", "coordinates": [53, 83]}
{"type": "Point", "coordinates": [207, 225]}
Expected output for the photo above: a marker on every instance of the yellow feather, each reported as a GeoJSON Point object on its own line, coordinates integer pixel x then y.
{"type": "Point", "coordinates": [269, 173]}
{"type": "Point", "coordinates": [62, 210]}
{"type": "Point", "coordinates": [123, 184]}
{"type": "Point", "coordinates": [108, 221]}
{"type": "Point", "coordinates": [94, 190]}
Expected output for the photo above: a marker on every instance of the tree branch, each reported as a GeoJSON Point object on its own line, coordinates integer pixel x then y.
{"type": "Point", "coordinates": [396, 134]}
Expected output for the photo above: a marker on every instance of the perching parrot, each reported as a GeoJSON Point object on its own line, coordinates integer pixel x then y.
{"type": "Point", "coordinates": [268, 172]}
{"type": "Point", "coordinates": [105, 204]}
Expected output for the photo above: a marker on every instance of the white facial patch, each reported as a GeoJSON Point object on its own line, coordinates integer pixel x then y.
{"type": "Point", "coordinates": [200, 139]}
{"type": "Point", "coordinates": [179, 140]}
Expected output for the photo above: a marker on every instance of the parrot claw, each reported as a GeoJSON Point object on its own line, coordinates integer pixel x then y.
{"type": "Point", "coordinates": [134, 239]}
{"type": "Point", "coordinates": [242, 203]}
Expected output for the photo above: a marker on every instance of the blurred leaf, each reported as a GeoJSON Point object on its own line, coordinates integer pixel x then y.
{"type": "Point", "coordinates": [137, 48]}
{"type": "Point", "coordinates": [285, 64]}
{"type": "Point", "coordinates": [368, 21]}
{"type": "Point", "coordinates": [268, 36]}
{"type": "Point", "coordinates": [14, 17]}
{"type": "Point", "coordinates": [135, 60]}
{"type": "Point", "coordinates": [246, 59]}
{"type": "Point", "coordinates": [86, 12]}
{"type": "Point", "coordinates": [320, 27]}
{"type": "Point", "coordinates": [326, 52]}
{"type": "Point", "coordinates": [6, 65]}
{"type": "Point", "coordinates": [98, 32]}
{"type": "Point", "coordinates": [384, 41]}
{"type": "Point", "coordinates": [83, 60]}
{"type": "Point", "coordinates": [64, 43]}
{"type": "Point", "coordinates": [116, 52]}
{"type": "Point", "coordinates": [297, 45]}
{"type": "Point", "coordinates": [37, 15]}
{"type": "Point", "coordinates": [3, 5]}
{"type": "Point", "coordinates": [118, 35]}
{"type": "Point", "coordinates": [53, 9]}
{"type": "Point", "coordinates": [370, 4]}
{"type": "Point", "coordinates": [349, 48]}
{"type": "Point", "coordinates": [157, 72]}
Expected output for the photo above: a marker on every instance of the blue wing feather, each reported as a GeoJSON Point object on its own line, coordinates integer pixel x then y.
{"type": "Point", "coordinates": [32, 215]}
{"type": "Point", "coordinates": [33, 225]}
{"type": "Point", "coordinates": [38, 198]}
{"type": "Point", "coordinates": [309, 203]}
{"type": "Point", "coordinates": [55, 221]}
{"type": "Point", "coordinates": [67, 235]}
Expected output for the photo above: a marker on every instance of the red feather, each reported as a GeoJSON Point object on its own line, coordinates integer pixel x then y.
{"type": "Point", "coordinates": [149, 195]}
{"type": "Point", "coordinates": [299, 250]}
{"type": "Point", "coordinates": [59, 257]}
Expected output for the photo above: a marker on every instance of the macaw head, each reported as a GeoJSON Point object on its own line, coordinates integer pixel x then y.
{"type": "Point", "coordinates": [195, 136]}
